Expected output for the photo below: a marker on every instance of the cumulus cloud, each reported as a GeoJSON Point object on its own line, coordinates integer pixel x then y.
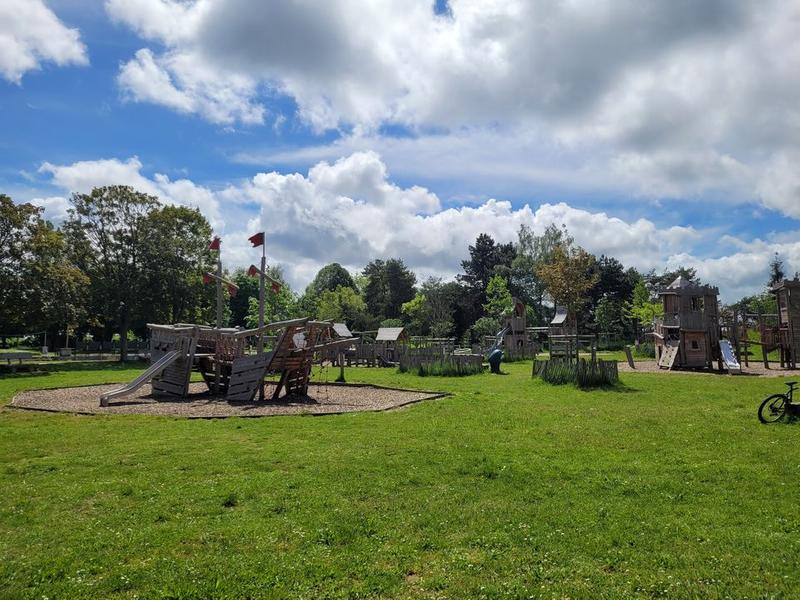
{"type": "Point", "coordinates": [31, 34]}
{"type": "Point", "coordinates": [657, 99]}
{"type": "Point", "coordinates": [351, 211]}
{"type": "Point", "coordinates": [82, 176]}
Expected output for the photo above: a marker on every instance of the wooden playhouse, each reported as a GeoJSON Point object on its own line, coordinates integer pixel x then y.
{"type": "Point", "coordinates": [687, 336]}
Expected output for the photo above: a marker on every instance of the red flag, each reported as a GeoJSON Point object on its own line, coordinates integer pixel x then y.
{"type": "Point", "coordinates": [252, 271]}
{"type": "Point", "coordinates": [232, 290]}
{"type": "Point", "coordinates": [257, 239]}
{"type": "Point", "coordinates": [276, 287]}
{"type": "Point", "coordinates": [206, 279]}
{"type": "Point", "coordinates": [214, 245]}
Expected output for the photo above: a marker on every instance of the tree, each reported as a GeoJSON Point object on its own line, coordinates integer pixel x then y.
{"type": "Point", "coordinates": [278, 306]}
{"type": "Point", "coordinates": [533, 251]}
{"type": "Point", "coordinates": [240, 303]}
{"type": "Point", "coordinates": [642, 306]}
{"type": "Point", "coordinates": [105, 228]}
{"type": "Point", "coordinates": [342, 305]}
{"type": "Point", "coordinates": [389, 285]}
{"type": "Point", "coordinates": [776, 271]}
{"type": "Point", "coordinates": [40, 288]}
{"type": "Point", "coordinates": [330, 277]}
{"type": "Point", "coordinates": [486, 259]}
{"type": "Point", "coordinates": [56, 289]}
{"type": "Point", "coordinates": [18, 224]}
{"type": "Point", "coordinates": [569, 277]}
{"type": "Point", "coordinates": [174, 256]}
{"type": "Point", "coordinates": [610, 316]}
{"type": "Point", "coordinates": [498, 299]}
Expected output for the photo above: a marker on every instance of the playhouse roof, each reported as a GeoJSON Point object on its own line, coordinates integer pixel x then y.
{"type": "Point", "coordinates": [389, 334]}
{"type": "Point", "coordinates": [679, 283]}
{"type": "Point", "coordinates": [560, 317]}
{"type": "Point", "coordinates": [342, 330]}
{"type": "Point", "coordinates": [683, 286]}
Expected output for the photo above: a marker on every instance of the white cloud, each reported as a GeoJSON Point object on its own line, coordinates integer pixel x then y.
{"type": "Point", "coordinates": [31, 34]}
{"type": "Point", "coordinates": [701, 99]}
{"type": "Point", "coordinates": [82, 176]}
{"type": "Point", "coordinates": [350, 211]}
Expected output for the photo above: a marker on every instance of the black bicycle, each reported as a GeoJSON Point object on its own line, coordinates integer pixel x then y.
{"type": "Point", "coordinates": [776, 406]}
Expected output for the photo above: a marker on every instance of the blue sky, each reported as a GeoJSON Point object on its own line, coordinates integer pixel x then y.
{"type": "Point", "coordinates": [665, 134]}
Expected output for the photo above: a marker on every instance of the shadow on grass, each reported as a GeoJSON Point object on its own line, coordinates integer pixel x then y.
{"type": "Point", "coordinates": [40, 369]}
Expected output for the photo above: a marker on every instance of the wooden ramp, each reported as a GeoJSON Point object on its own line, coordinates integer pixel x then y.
{"type": "Point", "coordinates": [667, 360]}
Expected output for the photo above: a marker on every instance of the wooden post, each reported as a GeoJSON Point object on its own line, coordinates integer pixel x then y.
{"type": "Point", "coordinates": [217, 365]}
{"type": "Point", "coordinates": [261, 299]}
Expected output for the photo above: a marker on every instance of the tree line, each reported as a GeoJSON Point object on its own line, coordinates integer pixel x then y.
{"type": "Point", "coordinates": [123, 259]}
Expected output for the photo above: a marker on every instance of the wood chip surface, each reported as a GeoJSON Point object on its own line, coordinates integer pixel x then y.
{"type": "Point", "coordinates": [322, 399]}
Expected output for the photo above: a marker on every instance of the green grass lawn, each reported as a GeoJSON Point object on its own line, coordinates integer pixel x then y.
{"type": "Point", "coordinates": [667, 486]}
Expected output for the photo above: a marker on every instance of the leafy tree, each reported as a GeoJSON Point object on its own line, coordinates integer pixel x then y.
{"type": "Point", "coordinates": [416, 313]}
{"type": "Point", "coordinates": [330, 277]}
{"type": "Point", "coordinates": [486, 259]}
{"type": "Point", "coordinates": [174, 256]}
{"type": "Point", "coordinates": [56, 289]}
{"type": "Point", "coordinates": [569, 277]}
{"type": "Point", "coordinates": [18, 224]}
{"type": "Point", "coordinates": [40, 288]}
{"type": "Point", "coordinates": [240, 303]}
{"type": "Point", "coordinates": [777, 272]}
{"type": "Point", "coordinates": [105, 228]}
{"type": "Point", "coordinates": [485, 327]}
{"type": "Point", "coordinates": [278, 306]}
{"type": "Point", "coordinates": [642, 306]}
{"type": "Point", "coordinates": [498, 299]}
{"type": "Point", "coordinates": [389, 285]}
{"type": "Point", "coordinates": [533, 251]}
{"type": "Point", "coordinates": [610, 316]}
{"type": "Point", "coordinates": [392, 322]}
{"type": "Point", "coordinates": [342, 305]}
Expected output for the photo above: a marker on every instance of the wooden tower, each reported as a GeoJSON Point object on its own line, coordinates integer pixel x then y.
{"type": "Point", "coordinates": [787, 293]}
{"type": "Point", "coordinates": [688, 333]}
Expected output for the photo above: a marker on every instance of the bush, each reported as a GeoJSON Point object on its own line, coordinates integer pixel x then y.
{"type": "Point", "coordinates": [645, 350]}
{"type": "Point", "coordinates": [443, 367]}
{"type": "Point", "coordinates": [581, 374]}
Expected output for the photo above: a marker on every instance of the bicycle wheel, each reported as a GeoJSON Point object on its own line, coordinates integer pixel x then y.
{"type": "Point", "coordinates": [772, 409]}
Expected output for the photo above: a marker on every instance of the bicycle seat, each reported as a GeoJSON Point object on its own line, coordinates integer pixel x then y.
{"type": "Point", "coordinates": [791, 384]}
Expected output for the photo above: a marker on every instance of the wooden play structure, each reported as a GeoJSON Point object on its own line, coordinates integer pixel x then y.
{"type": "Point", "coordinates": [518, 343]}
{"type": "Point", "coordinates": [229, 360]}
{"type": "Point", "coordinates": [778, 331]}
{"type": "Point", "coordinates": [688, 335]}
{"type": "Point", "coordinates": [234, 363]}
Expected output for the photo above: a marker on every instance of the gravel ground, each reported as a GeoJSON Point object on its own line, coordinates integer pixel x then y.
{"type": "Point", "coordinates": [756, 369]}
{"type": "Point", "coordinates": [322, 399]}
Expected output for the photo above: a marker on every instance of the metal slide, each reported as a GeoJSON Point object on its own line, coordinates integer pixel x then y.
{"type": "Point", "coordinates": [729, 357]}
{"type": "Point", "coordinates": [154, 370]}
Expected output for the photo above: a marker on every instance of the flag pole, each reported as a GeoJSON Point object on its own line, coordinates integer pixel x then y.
{"type": "Point", "coordinates": [261, 284]}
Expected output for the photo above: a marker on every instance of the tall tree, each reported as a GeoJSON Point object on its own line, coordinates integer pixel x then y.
{"type": "Point", "coordinates": [174, 256]}
{"type": "Point", "coordinates": [569, 277]}
{"type": "Point", "coordinates": [486, 259]}
{"type": "Point", "coordinates": [105, 227]}
{"type": "Point", "coordinates": [389, 285]}
{"type": "Point", "coordinates": [533, 251]}
{"type": "Point", "coordinates": [776, 271]}
{"type": "Point", "coordinates": [342, 305]}
{"type": "Point", "coordinates": [18, 224]}
{"type": "Point", "coordinates": [330, 277]}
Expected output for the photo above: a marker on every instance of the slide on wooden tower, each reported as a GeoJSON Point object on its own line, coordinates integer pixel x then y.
{"type": "Point", "coordinates": [729, 358]}
{"type": "Point", "coordinates": [154, 371]}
